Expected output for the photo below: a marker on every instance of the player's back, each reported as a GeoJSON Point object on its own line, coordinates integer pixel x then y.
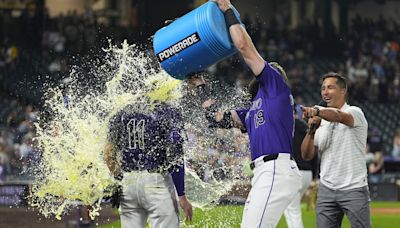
{"type": "Point", "coordinates": [145, 138]}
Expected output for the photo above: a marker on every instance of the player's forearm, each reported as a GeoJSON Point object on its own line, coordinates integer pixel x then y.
{"type": "Point", "coordinates": [307, 147]}
{"type": "Point", "coordinates": [244, 44]}
{"type": "Point", "coordinates": [219, 119]}
{"type": "Point", "coordinates": [236, 120]}
{"type": "Point", "coordinates": [240, 38]}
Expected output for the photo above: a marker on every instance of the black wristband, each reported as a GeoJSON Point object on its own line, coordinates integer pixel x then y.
{"type": "Point", "coordinates": [203, 93]}
{"type": "Point", "coordinates": [230, 18]}
{"type": "Point", "coordinates": [316, 108]}
{"type": "Point", "coordinates": [226, 121]}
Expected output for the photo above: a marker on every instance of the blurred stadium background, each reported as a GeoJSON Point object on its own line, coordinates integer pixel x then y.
{"type": "Point", "coordinates": [40, 41]}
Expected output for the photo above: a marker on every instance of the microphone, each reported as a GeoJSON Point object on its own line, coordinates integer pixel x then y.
{"type": "Point", "coordinates": [322, 103]}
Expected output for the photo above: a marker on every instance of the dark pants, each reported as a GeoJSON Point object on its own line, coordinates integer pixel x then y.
{"type": "Point", "coordinates": [332, 204]}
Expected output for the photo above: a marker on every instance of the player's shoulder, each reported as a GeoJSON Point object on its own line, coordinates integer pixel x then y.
{"type": "Point", "coordinates": [267, 70]}
{"type": "Point", "coordinates": [273, 75]}
{"type": "Point", "coordinates": [168, 112]}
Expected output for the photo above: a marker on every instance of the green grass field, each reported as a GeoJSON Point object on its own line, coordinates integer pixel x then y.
{"type": "Point", "coordinates": [230, 216]}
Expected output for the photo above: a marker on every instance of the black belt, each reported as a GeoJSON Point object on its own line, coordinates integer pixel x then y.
{"type": "Point", "coordinates": [266, 158]}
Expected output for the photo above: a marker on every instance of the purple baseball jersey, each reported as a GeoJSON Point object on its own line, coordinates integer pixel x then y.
{"type": "Point", "coordinates": [269, 121]}
{"type": "Point", "coordinates": [150, 141]}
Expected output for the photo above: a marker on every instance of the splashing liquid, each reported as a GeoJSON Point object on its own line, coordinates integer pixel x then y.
{"type": "Point", "coordinates": [72, 169]}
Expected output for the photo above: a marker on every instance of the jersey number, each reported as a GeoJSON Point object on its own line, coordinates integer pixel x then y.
{"type": "Point", "coordinates": [259, 118]}
{"type": "Point", "coordinates": [136, 133]}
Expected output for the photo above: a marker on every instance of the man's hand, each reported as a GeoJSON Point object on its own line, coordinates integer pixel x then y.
{"type": "Point", "coordinates": [309, 112]}
{"type": "Point", "coordinates": [115, 198]}
{"type": "Point", "coordinates": [186, 207]}
{"type": "Point", "coordinates": [208, 103]}
{"type": "Point", "coordinates": [224, 5]}
{"type": "Point", "coordinates": [314, 121]}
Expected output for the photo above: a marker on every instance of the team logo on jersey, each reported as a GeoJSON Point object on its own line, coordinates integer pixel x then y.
{"type": "Point", "coordinates": [136, 133]}
{"type": "Point", "coordinates": [256, 104]}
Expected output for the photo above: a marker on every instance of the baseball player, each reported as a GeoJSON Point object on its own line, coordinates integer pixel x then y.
{"type": "Point", "coordinates": [150, 146]}
{"type": "Point", "coordinates": [269, 123]}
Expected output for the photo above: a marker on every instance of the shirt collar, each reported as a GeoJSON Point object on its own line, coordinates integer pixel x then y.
{"type": "Point", "coordinates": [344, 106]}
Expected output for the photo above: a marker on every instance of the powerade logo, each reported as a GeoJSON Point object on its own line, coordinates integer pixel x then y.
{"type": "Point", "coordinates": [178, 47]}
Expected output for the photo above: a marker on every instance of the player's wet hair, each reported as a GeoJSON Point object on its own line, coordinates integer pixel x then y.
{"type": "Point", "coordinates": [253, 85]}
{"type": "Point", "coordinates": [165, 89]}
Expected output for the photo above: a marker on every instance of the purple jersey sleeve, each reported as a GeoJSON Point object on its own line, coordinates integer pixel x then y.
{"type": "Point", "coordinates": [178, 177]}
{"type": "Point", "coordinates": [242, 112]}
{"type": "Point", "coordinates": [174, 121]}
{"type": "Point", "coordinates": [271, 82]}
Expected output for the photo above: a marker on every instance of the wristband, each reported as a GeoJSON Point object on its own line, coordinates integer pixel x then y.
{"type": "Point", "coordinates": [226, 121]}
{"type": "Point", "coordinates": [203, 93]}
{"type": "Point", "coordinates": [230, 18]}
{"type": "Point", "coordinates": [317, 109]}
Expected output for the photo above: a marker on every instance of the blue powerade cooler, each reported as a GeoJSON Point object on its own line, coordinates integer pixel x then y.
{"type": "Point", "coordinates": [194, 42]}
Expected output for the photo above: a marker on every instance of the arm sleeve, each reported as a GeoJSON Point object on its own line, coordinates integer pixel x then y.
{"type": "Point", "coordinates": [178, 177]}
{"type": "Point", "coordinates": [271, 82]}
{"type": "Point", "coordinates": [176, 154]}
{"type": "Point", "coordinates": [242, 112]}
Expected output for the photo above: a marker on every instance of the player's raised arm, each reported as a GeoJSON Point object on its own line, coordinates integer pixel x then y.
{"type": "Point", "coordinates": [241, 38]}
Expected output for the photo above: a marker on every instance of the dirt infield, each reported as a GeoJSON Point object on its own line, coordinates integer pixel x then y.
{"type": "Point", "coordinates": [386, 211]}
{"type": "Point", "coordinates": [24, 217]}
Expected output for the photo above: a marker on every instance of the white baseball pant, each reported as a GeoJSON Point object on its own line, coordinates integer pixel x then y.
{"type": "Point", "coordinates": [148, 195]}
{"type": "Point", "coordinates": [293, 211]}
{"type": "Point", "coordinates": [274, 185]}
